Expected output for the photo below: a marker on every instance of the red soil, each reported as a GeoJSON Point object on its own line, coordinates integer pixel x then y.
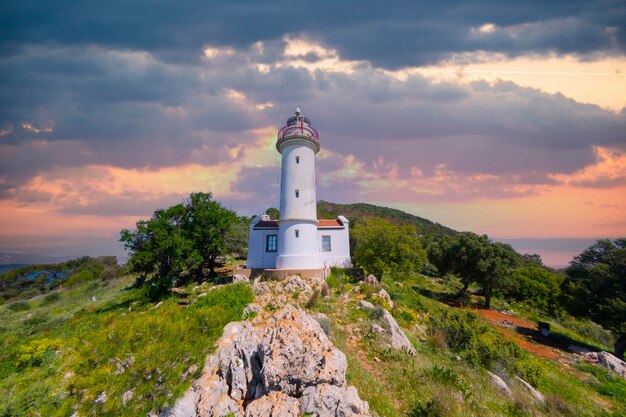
{"type": "Point", "coordinates": [525, 334]}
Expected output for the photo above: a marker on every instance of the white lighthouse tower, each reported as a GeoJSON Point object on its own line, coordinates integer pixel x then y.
{"type": "Point", "coordinates": [298, 242]}
{"type": "Point", "coordinates": [298, 143]}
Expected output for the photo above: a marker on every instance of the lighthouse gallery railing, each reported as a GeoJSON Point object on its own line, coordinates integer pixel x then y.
{"type": "Point", "coordinates": [300, 130]}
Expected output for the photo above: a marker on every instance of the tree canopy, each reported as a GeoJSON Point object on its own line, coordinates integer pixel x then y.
{"type": "Point", "coordinates": [179, 242]}
{"type": "Point", "coordinates": [535, 286]}
{"type": "Point", "coordinates": [595, 287]}
{"type": "Point", "coordinates": [475, 259]}
{"type": "Point", "coordinates": [382, 247]}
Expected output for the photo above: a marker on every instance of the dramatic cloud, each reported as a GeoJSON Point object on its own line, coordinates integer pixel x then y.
{"type": "Point", "coordinates": [404, 33]}
{"type": "Point", "coordinates": [109, 110]}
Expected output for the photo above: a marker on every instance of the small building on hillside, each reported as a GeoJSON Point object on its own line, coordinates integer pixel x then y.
{"type": "Point", "coordinates": [298, 241]}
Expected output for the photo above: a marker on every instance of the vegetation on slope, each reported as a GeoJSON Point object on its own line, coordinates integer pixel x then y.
{"type": "Point", "coordinates": [357, 212]}
{"type": "Point", "coordinates": [455, 349]}
{"type": "Point", "coordinates": [30, 280]}
{"type": "Point", "coordinates": [117, 356]}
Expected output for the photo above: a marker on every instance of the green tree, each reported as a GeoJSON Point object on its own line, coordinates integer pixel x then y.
{"type": "Point", "coordinates": [475, 259]}
{"type": "Point", "coordinates": [206, 223]}
{"type": "Point", "coordinates": [177, 243]}
{"type": "Point", "coordinates": [159, 247]}
{"type": "Point", "coordinates": [236, 239]}
{"type": "Point", "coordinates": [382, 247]}
{"type": "Point", "coordinates": [273, 212]}
{"type": "Point", "coordinates": [537, 287]}
{"type": "Point", "coordinates": [595, 287]}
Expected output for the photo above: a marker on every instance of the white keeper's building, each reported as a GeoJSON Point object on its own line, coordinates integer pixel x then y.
{"type": "Point", "coordinates": [298, 240]}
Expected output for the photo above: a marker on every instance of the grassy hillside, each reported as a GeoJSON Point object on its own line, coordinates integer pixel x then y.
{"type": "Point", "coordinates": [100, 349]}
{"type": "Point", "coordinates": [358, 211]}
{"type": "Point", "coordinates": [30, 280]}
{"type": "Point", "coordinates": [455, 349]}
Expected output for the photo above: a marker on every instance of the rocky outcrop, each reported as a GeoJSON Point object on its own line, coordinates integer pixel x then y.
{"type": "Point", "coordinates": [384, 297]}
{"type": "Point", "coordinates": [534, 393]}
{"type": "Point", "coordinates": [387, 328]}
{"type": "Point", "coordinates": [608, 361]}
{"type": "Point", "coordinates": [240, 278]}
{"type": "Point", "coordinates": [500, 384]}
{"type": "Point", "coordinates": [285, 366]}
{"type": "Point", "coordinates": [372, 280]}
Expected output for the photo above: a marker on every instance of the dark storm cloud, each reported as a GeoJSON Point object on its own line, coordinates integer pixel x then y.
{"type": "Point", "coordinates": [478, 128]}
{"type": "Point", "coordinates": [73, 93]}
{"type": "Point", "coordinates": [393, 34]}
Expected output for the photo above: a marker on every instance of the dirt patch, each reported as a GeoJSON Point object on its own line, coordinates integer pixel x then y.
{"type": "Point", "coordinates": [525, 334]}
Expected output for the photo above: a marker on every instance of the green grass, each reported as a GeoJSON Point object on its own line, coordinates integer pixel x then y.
{"type": "Point", "coordinates": [448, 375]}
{"type": "Point", "coordinates": [60, 356]}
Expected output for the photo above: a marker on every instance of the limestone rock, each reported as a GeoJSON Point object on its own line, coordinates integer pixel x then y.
{"type": "Point", "coordinates": [500, 384]}
{"type": "Point", "coordinates": [608, 361]}
{"type": "Point", "coordinates": [253, 312]}
{"type": "Point", "coordinates": [284, 366]}
{"type": "Point", "coordinates": [384, 296]}
{"type": "Point", "coordinates": [276, 404]}
{"type": "Point", "coordinates": [240, 278]}
{"type": "Point", "coordinates": [102, 398]}
{"type": "Point", "coordinates": [294, 283]}
{"type": "Point", "coordinates": [537, 396]}
{"type": "Point", "coordinates": [184, 407]}
{"type": "Point", "coordinates": [397, 338]}
{"type": "Point", "coordinates": [127, 396]}
{"type": "Point", "coordinates": [293, 360]}
{"type": "Point", "coordinates": [372, 280]}
{"type": "Point", "coordinates": [260, 287]}
{"type": "Point", "coordinates": [389, 330]}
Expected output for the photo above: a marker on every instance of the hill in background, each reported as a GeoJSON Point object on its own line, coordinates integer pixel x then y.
{"type": "Point", "coordinates": [358, 211]}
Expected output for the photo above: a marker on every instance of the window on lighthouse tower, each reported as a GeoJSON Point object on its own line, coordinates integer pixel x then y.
{"type": "Point", "coordinates": [297, 159]}
{"type": "Point", "coordinates": [297, 193]}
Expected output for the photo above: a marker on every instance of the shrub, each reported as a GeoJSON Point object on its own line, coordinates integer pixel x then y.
{"type": "Point", "coordinates": [465, 333]}
{"type": "Point", "coordinates": [34, 352]}
{"type": "Point", "coordinates": [51, 298]}
{"type": "Point", "coordinates": [312, 301]}
{"type": "Point", "coordinates": [19, 306]}
{"type": "Point", "coordinates": [536, 287]}
{"type": "Point", "coordinates": [79, 277]}
{"type": "Point", "coordinates": [367, 289]}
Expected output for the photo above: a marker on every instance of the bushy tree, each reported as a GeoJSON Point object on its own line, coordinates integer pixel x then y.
{"type": "Point", "coordinates": [537, 287]}
{"type": "Point", "coordinates": [206, 223]}
{"type": "Point", "coordinates": [237, 238]}
{"type": "Point", "coordinates": [178, 242]}
{"type": "Point", "coordinates": [595, 287]}
{"type": "Point", "coordinates": [381, 247]}
{"type": "Point", "coordinates": [476, 259]}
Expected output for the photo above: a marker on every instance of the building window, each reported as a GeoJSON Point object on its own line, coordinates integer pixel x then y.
{"type": "Point", "coordinates": [271, 243]}
{"type": "Point", "coordinates": [297, 159]}
{"type": "Point", "coordinates": [326, 243]}
{"type": "Point", "coordinates": [297, 193]}
{"type": "Point", "coordinates": [297, 233]}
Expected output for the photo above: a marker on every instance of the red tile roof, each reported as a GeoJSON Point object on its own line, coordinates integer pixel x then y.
{"type": "Point", "coordinates": [329, 223]}
{"type": "Point", "coordinates": [267, 223]}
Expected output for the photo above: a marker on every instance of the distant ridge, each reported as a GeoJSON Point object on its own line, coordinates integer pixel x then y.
{"type": "Point", "coordinates": [24, 258]}
{"type": "Point", "coordinates": [358, 211]}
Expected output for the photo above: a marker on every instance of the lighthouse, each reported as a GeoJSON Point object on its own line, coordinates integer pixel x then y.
{"type": "Point", "coordinates": [298, 242]}
{"type": "Point", "coordinates": [298, 143]}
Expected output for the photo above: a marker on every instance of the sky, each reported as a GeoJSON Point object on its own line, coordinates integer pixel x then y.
{"type": "Point", "coordinates": [507, 119]}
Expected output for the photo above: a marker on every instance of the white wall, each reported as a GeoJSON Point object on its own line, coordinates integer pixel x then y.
{"type": "Point", "coordinates": [339, 245]}
{"type": "Point", "coordinates": [257, 256]}
{"type": "Point", "coordinates": [299, 251]}
{"type": "Point", "coordinates": [298, 176]}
